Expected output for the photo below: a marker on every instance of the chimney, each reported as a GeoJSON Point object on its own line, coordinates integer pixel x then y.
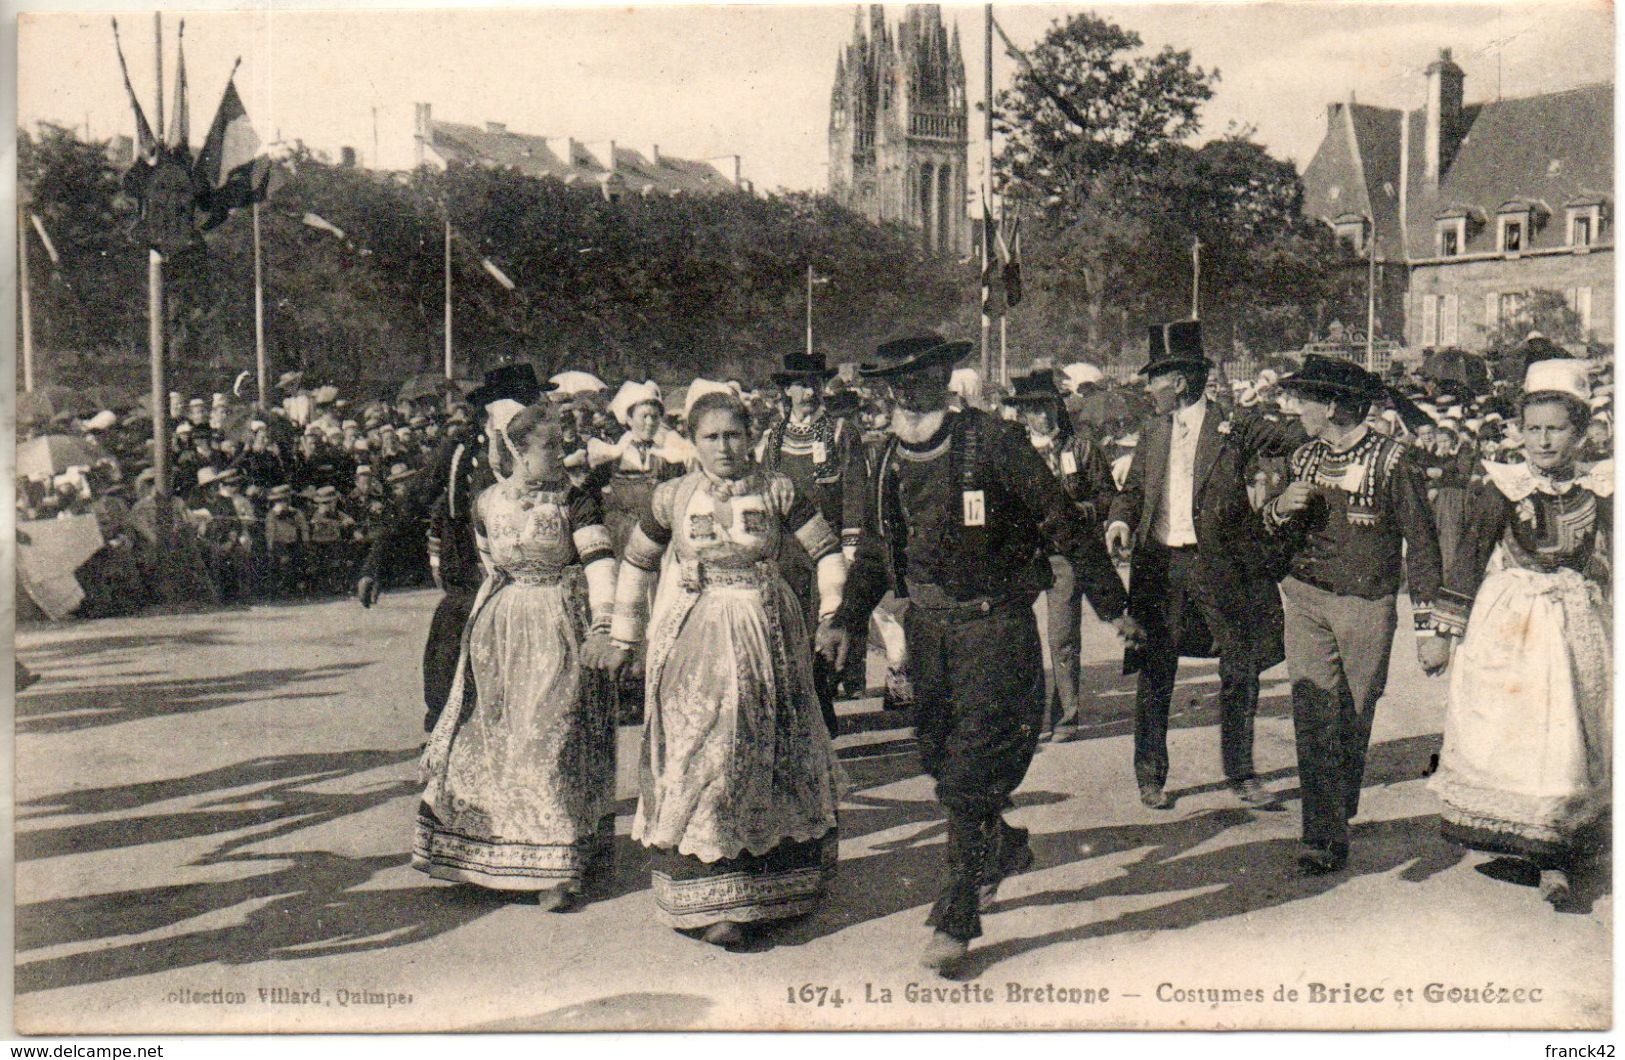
{"type": "Point", "coordinates": [602, 152]}
{"type": "Point", "coordinates": [347, 157]}
{"type": "Point", "coordinates": [497, 127]}
{"type": "Point", "coordinates": [563, 148]}
{"type": "Point", "coordinates": [1332, 111]}
{"type": "Point", "coordinates": [728, 166]}
{"type": "Point", "coordinates": [422, 131]}
{"type": "Point", "coordinates": [1443, 132]}
{"type": "Point", "coordinates": [651, 151]}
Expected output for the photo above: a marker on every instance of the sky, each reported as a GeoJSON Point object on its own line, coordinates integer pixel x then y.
{"type": "Point", "coordinates": [751, 80]}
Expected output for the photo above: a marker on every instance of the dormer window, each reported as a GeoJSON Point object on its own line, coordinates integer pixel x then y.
{"type": "Point", "coordinates": [1516, 222]}
{"type": "Point", "coordinates": [1584, 221]}
{"type": "Point", "coordinates": [1351, 231]}
{"type": "Point", "coordinates": [1450, 236]}
{"type": "Point", "coordinates": [1512, 233]}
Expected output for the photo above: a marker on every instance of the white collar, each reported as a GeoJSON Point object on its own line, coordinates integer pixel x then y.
{"type": "Point", "coordinates": [1192, 414]}
{"type": "Point", "coordinates": [1517, 481]}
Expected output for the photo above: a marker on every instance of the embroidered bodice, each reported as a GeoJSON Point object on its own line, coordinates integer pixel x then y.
{"type": "Point", "coordinates": [527, 531]}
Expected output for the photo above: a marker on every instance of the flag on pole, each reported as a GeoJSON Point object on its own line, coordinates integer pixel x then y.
{"type": "Point", "coordinates": [1061, 102]}
{"type": "Point", "coordinates": [323, 224]}
{"type": "Point", "coordinates": [179, 139]}
{"type": "Point", "coordinates": [230, 173]}
{"type": "Point", "coordinates": [497, 274]}
{"type": "Point", "coordinates": [990, 260]}
{"type": "Point", "coordinates": [1009, 246]}
{"type": "Point", "coordinates": [45, 239]}
{"type": "Point", "coordinates": [146, 144]}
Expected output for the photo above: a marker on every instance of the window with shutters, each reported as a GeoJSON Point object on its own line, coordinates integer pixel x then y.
{"type": "Point", "coordinates": [1430, 320]}
{"type": "Point", "coordinates": [1449, 311]}
{"type": "Point", "coordinates": [1512, 230]}
{"type": "Point", "coordinates": [1451, 234]}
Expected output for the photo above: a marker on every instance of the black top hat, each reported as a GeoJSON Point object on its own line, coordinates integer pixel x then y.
{"type": "Point", "coordinates": [1335, 377]}
{"type": "Point", "coordinates": [1035, 388]}
{"type": "Point", "coordinates": [800, 365]}
{"type": "Point", "coordinates": [1175, 345]}
{"type": "Point", "coordinates": [516, 382]}
{"type": "Point", "coordinates": [901, 356]}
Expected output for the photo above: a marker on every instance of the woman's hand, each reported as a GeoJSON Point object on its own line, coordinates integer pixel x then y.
{"type": "Point", "coordinates": [602, 653]}
{"type": "Point", "coordinates": [1434, 654]}
{"type": "Point", "coordinates": [831, 642]}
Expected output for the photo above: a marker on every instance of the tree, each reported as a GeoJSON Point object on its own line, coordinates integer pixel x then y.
{"type": "Point", "coordinates": [1130, 106]}
{"type": "Point", "coordinates": [1542, 310]}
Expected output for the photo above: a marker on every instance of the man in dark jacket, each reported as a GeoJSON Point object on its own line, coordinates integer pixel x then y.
{"type": "Point", "coordinates": [1202, 575]}
{"type": "Point", "coordinates": [456, 475]}
{"type": "Point", "coordinates": [964, 517]}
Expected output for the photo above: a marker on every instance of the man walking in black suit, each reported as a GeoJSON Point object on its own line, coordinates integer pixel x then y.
{"type": "Point", "coordinates": [1202, 577]}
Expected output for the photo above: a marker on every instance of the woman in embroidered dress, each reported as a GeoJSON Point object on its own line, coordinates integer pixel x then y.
{"type": "Point", "coordinates": [520, 769]}
{"type": "Point", "coordinates": [739, 776]}
{"type": "Point", "coordinates": [1526, 761]}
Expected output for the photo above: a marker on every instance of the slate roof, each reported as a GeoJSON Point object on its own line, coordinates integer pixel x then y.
{"type": "Point", "coordinates": [534, 156]}
{"type": "Point", "coordinates": [1554, 149]}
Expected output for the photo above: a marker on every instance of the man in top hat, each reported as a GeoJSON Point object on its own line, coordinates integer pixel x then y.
{"type": "Point", "coordinates": [1201, 577]}
{"type": "Point", "coordinates": [1354, 510]}
{"type": "Point", "coordinates": [1085, 476]}
{"type": "Point", "coordinates": [819, 453]}
{"type": "Point", "coordinates": [964, 516]}
{"type": "Point", "coordinates": [456, 474]}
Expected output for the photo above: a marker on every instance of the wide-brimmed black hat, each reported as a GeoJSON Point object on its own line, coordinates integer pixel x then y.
{"type": "Point", "coordinates": [1335, 377]}
{"type": "Point", "coordinates": [901, 356]}
{"type": "Point", "coordinates": [1034, 389]}
{"type": "Point", "coordinates": [799, 366]}
{"type": "Point", "coordinates": [1175, 345]}
{"type": "Point", "coordinates": [516, 382]}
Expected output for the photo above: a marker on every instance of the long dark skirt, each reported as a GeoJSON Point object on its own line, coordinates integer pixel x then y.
{"type": "Point", "coordinates": [787, 881]}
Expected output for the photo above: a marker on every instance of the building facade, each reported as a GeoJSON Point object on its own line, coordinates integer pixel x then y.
{"type": "Point", "coordinates": [615, 168]}
{"type": "Point", "coordinates": [1479, 205]}
{"type": "Point", "coordinates": [898, 123]}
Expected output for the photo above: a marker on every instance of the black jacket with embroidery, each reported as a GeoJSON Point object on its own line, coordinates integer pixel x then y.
{"type": "Point", "coordinates": [1026, 517]}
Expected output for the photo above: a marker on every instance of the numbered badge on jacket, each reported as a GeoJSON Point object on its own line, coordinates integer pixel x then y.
{"type": "Point", "coordinates": [975, 508]}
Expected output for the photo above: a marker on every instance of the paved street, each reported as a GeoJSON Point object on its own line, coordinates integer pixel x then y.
{"type": "Point", "coordinates": [214, 813]}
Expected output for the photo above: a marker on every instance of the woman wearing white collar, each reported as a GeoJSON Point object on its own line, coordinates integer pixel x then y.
{"type": "Point", "coordinates": [1523, 621]}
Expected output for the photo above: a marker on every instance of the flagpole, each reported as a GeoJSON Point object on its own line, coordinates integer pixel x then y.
{"type": "Point", "coordinates": [155, 331]}
{"type": "Point", "coordinates": [987, 188]}
{"type": "Point", "coordinates": [809, 309]}
{"type": "Point", "coordinates": [1004, 356]}
{"type": "Point", "coordinates": [262, 374]}
{"type": "Point", "coordinates": [1371, 298]}
{"type": "Point", "coordinates": [1196, 279]}
{"type": "Point", "coordinates": [449, 373]}
{"type": "Point", "coordinates": [158, 67]}
{"type": "Point", "coordinates": [27, 301]}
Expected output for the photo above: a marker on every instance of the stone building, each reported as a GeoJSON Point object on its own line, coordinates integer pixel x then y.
{"type": "Point", "coordinates": [897, 126]}
{"type": "Point", "coordinates": [616, 168]}
{"type": "Point", "coordinates": [1474, 206]}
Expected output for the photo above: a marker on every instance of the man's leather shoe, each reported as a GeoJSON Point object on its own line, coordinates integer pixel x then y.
{"type": "Point", "coordinates": [1251, 791]}
{"type": "Point", "coordinates": [943, 952]}
{"type": "Point", "coordinates": [1154, 797]}
{"type": "Point", "coordinates": [1011, 863]}
{"type": "Point", "coordinates": [1322, 861]}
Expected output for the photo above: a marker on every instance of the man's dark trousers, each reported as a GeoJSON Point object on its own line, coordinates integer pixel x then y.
{"type": "Point", "coordinates": [441, 651]}
{"type": "Point", "coordinates": [1177, 577]}
{"type": "Point", "coordinates": [979, 705]}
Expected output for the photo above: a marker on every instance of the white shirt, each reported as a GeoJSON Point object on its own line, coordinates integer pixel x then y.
{"type": "Point", "coordinates": [1176, 525]}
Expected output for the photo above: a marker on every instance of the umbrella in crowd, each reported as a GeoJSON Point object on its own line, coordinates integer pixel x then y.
{"type": "Point", "coordinates": [47, 401]}
{"type": "Point", "coordinates": [1537, 347]}
{"type": "Point", "coordinates": [52, 454]}
{"type": "Point", "coordinates": [1458, 368]}
{"type": "Point", "coordinates": [432, 384]}
{"type": "Point", "coordinates": [572, 383]}
{"type": "Point", "coordinates": [1101, 407]}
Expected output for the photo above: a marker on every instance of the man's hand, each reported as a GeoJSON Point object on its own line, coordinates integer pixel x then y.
{"type": "Point", "coordinates": [366, 590]}
{"type": "Point", "coordinates": [1117, 536]}
{"type": "Point", "coordinates": [831, 643]}
{"type": "Point", "coordinates": [1295, 498]}
{"type": "Point", "coordinates": [1131, 632]}
{"type": "Point", "coordinates": [1434, 654]}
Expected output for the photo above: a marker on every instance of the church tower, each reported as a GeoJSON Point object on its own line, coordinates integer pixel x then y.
{"type": "Point", "coordinates": [897, 124]}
